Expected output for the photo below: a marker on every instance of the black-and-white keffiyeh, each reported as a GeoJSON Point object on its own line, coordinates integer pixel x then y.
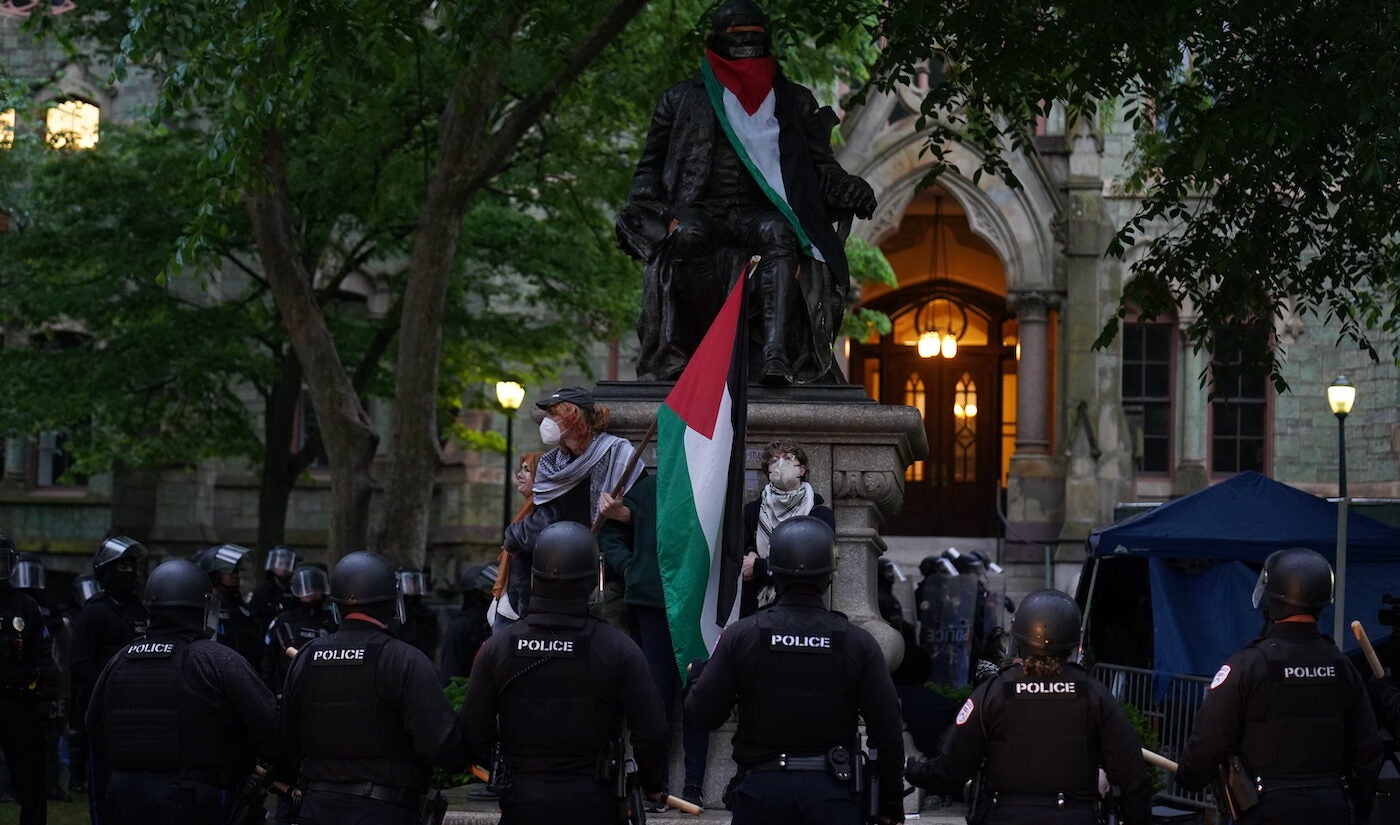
{"type": "Point", "coordinates": [603, 463]}
{"type": "Point", "coordinates": [777, 507]}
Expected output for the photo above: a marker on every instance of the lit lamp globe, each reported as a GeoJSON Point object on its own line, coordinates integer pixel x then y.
{"type": "Point", "coordinates": [928, 345]}
{"type": "Point", "coordinates": [509, 394]}
{"type": "Point", "coordinates": [1341, 395]}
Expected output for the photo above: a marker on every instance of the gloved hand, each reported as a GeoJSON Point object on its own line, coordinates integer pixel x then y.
{"type": "Point", "coordinates": [850, 192]}
{"type": "Point", "coordinates": [917, 773]}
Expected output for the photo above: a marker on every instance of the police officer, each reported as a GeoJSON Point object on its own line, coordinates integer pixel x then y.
{"type": "Point", "coordinates": [1039, 731]}
{"type": "Point", "coordinates": [179, 718]}
{"type": "Point", "coordinates": [1291, 706]}
{"type": "Point", "coordinates": [104, 625]}
{"type": "Point", "coordinates": [363, 711]}
{"type": "Point", "coordinates": [801, 675]}
{"type": "Point", "coordinates": [85, 587]}
{"type": "Point", "coordinates": [420, 625]}
{"type": "Point", "coordinates": [308, 618]}
{"type": "Point", "coordinates": [274, 595]}
{"type": "Point", "coordinates": [26, 684]}
{"type": "Point", "coordinates": [553, 691]}
{"type": "Point", "coordinates": [29, 579]}
{"type": "Point", "coordinates": [469, 628]}
{"type": "Point", "coordinates": [237, 628]}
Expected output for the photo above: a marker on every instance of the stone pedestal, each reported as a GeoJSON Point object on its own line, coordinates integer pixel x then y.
{"type": "Point", "coordinates": [857, 452]}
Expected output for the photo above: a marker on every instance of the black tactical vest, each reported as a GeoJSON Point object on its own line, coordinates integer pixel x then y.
{"type": "Point", "coordinates": [1042, 741]}
{"type": "Point", "coordinates": [152, 722]}
{"type": "Point", "coordinates": [549, 713]}
{"type": "Point", "coordinates": [798, 695]}
{"type": "Point", "coordinates": [18, 660]}
{"type": "Point", "coordinates": [1295, 722]}
{"type": "Point", "coordinates": [340, 717]}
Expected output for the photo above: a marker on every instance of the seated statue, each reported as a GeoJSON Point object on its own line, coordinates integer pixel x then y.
{"type": "Point", "coordinates": [738, 162]}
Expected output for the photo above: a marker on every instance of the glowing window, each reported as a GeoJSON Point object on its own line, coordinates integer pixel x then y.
{"type": "Point", "coordinates": [915, 396]}
{"type": "Point", "coordinates": [965, 429]}
{"type": "Point", "coordinates": [73, 124]}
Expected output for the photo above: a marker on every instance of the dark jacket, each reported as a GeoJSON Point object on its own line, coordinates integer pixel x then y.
{"type": "Point", "coordinates": [631, 548]}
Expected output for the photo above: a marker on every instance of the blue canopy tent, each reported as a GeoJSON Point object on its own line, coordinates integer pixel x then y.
{"type": "Point", "coordinates": [1201, 616]}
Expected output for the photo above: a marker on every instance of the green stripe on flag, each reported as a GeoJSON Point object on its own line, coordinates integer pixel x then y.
{"type": "Point", "coordinates": [681, 549]}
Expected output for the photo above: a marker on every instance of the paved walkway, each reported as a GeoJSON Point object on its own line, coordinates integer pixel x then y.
{"type": "Point", "coordinates": [466, 811]}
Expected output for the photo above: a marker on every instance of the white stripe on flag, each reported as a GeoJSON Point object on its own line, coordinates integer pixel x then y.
{"type": "Point", "coordinates": [708, 462]}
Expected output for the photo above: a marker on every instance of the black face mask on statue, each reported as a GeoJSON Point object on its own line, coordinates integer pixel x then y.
{"type": "Point", "coordinates": [740, 45]}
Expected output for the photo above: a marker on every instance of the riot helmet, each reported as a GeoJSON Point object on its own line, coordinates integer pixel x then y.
{"type": "Point", "coordinates": [364, 582]}
{"type": "Point", "coordinates": [117, 564]}
{"type": "Point", "coordinates": [179, 590]}
{"type": "Point", "coordinates": [222, 558]}
{"type": "Point", "coordinates": [1294, 581]}
{"type": "Point", "coordinates": [28, 573]}
{"type": "Point", "coordinates": [565, 562]}
{"type": "Point", "coordinates": [480, 578]}
{"type": "Point", "coordinates": [802, 550]}
{"type": "Point", "coordinates": [1046, 624]}
{"type": "Point", "coordinates": [310, 581]}
{"type": "Point", "coordinates": [412, 582]}
{"type": "Point", "coordinates": [739, 30]}
{"type": "Point", "coordinates": [84, 588]}
{"type": "Point", "coordinates": [281, 561]}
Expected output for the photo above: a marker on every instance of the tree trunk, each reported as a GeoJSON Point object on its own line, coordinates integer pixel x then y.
{"type": "Point", "coordinates": [469, 157]}
{"type": "Point", "coordinates": [346, 430]}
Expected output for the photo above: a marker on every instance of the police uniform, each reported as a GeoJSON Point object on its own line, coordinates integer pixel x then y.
{"type": "Point", "coordinates": [268, 600]}
{"type": "Point", "coordinates": [26, 680]}
{"type": "Point", "coordinates": [1296, 711]}
{"type": "Point", "coordinates": [181, 720]}
{"type": "Point", "coordinates": [553, 691]}
{"type": "Point", "coordinates": [1039, 743]}
{"type": "Point", "coordinates": [364, 713]}
{"type": "Point", "coordinates": [106, 624]}
{"type": "Point", "coordinates": [237, 628]}
{"type": "Point", "coordinates": [296, 627]}
{"type": "Point", "coordinates": [801, 676]}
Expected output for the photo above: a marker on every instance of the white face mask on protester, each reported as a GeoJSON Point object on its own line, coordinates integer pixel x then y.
{"type": "Point", "coordinates": [784, 474]}
{"type": "Point", "coordinates": [550, 432]}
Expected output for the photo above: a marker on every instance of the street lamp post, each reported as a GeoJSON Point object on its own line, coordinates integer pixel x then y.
{"type": "Point", "coordinates": [509, 394]}
{"type": "Point", "coordinates": [1341, 395]}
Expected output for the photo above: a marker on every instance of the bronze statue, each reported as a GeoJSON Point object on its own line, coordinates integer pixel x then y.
{"type": "Point", "coordinates": [738, 162]}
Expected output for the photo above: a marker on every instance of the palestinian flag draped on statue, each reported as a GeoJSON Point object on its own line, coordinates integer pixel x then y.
{"type": "Point", "coordinates": [764, 124]}
{"type": "Point", "coordinates": [700, 483]}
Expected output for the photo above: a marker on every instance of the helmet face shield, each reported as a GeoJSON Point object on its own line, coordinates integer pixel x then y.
{"type": "Point", "coordinates": [1261, 586]}
{"type": "Point", "coordinates": [412, 583]}
{"type": "Point", "coordinates": [9, 559]}
{"type": "Point", "coordinates": [310, 581]}
{"type": "Point", "coordinates": [28, 575]}
{"type": "Point", "coordinates": [84, 588]}
{"type": "Point", "coordinates": [281, 561]}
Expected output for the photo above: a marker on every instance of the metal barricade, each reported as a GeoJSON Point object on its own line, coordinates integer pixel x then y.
{"type": "Point", "coordinates": [1170, 716]}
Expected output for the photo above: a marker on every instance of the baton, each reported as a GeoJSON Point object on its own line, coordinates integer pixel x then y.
{"type": "Point", "coordinates": [1360, 633]}
{"type": "Point", "coordinates": [291, 652]}
{"type": "Point", "coordinates": [1158, 760]}
{"type": "Point", "coordinates": [281, 786]}
{"type": "Point", "coordinates": [481, 773]}
{"type": "Point", "coordinates": [682, 806]}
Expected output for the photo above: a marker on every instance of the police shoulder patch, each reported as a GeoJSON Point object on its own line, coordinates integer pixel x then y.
{"type": "Point", "coordinates": [1220, 676]}
{"type": "Point", "coordinates": [966, 712]}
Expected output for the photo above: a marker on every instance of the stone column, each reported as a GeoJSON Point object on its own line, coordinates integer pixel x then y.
{"type": "Point", "coordinates": [1034, 486]}
{"type": "Point", "coordinates": [1191, 473]}
{"type": "Point", "coordinates": [1032, 308]}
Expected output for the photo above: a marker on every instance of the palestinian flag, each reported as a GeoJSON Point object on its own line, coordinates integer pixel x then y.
{"type": "Point", "coordinates": [762, 115]}
{"type": "Point", "coordinates": [700, 485]}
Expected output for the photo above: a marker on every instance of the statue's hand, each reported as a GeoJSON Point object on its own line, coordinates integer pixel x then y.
{"type": "Point", "coordinates": [852, 193]}
{"type": "Point", "coordinates": [641, 225]}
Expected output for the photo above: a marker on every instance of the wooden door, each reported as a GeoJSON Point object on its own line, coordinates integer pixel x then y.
{"type": "Point", "coordinates": [951, 493]}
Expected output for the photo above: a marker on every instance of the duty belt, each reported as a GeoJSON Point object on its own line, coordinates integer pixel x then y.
{"type": "Point", "coordinates": [1043, 800]}
{"type": "Point", "coordinates": [403, 797]}
{"type": "Point", "coordinates": [1265, 783]}
{"type": "Point", "coordinates": [792, 763]}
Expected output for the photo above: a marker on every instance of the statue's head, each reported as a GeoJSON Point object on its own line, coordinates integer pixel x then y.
{"type": "Point", "coordinates": [739, 30]}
